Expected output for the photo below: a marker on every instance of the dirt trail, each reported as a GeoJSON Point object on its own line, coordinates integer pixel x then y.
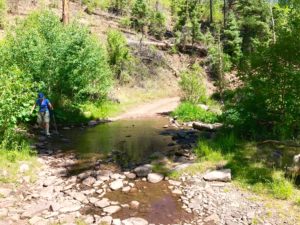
{"type": "Point", "coordinates": [151, 109]}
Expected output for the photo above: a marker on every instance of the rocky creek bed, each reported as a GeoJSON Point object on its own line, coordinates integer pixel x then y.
{"type": "Point", "coordinates": [103, 193]}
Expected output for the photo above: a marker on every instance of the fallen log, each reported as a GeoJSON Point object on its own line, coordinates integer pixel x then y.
{"type": "Point", "coordinates": [207, 126]}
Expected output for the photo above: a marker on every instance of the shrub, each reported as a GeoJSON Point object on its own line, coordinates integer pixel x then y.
{"type": "Point", "coordinates": [139, 15]}
{"type": "Point", "coordinates": [91, 4]}
{"type": "Point", "coordinates": [157, 24]}
{"type": "Point", "coordinates": [192, 86]}
{"type": "Point", "coordinates": [118, 51]}
{"type": "Point", "coordinates": [65, 62]}
{"type": "Point", "coordinates": [281, 189]}
{"type": "Point", "coordinates": [2, 12]}
{"type": "Point", "coordinates": [189, 112]}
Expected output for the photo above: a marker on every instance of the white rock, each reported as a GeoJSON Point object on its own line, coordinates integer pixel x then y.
{"type": "Point", "coordinates": [89, 181]}
{"type": "Point", "coordinates": [155, 177]}
{"type": "Point", "coordinates": [174, 183]}
{"type": "Point", "coordinates": [102, 203]}
{"type": "Point", "coordinates": [3, 212]}
{"type": "Point", "coordinates": [116, 185]}
{"type": "Point", "coordinates": [116, 222]}
{"type": "Point", "coordinates": [130, 175]}
{"type": "Point", "coordinates": [5, 192]}
{"type": "Point", "coordinates": [134, 204]}
{"type": "Point", "coordinates": [135, 221]}
{"type": "Point", "coordinates": [112, 209]}
{"type": "Point", "coordinates": [126, 189]}
{"type": "Point", "coordinates": [24, 168]}
{"type": "Point", "coordinates": [218, 175]}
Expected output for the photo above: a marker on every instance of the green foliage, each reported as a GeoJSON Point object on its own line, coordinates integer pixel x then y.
{"type": "Point", "coordinates": [65, 62]}
{"type": "Point", "coordinates": [120, 6]}
{"type": "Point", "coordinates": [268, 104]}
{"type": "Point", "coordinates": [16, 96]}
{"type": "Point", "coordinates": [192, 85]}
{"type": "Point", "coordinates": [118, 51]}
{"type": "Point", "coordinates": [139, 15]}
{"type": "Point", "coordinates": [91, 4]}
{"type": "Point", "coordinates": [254, 17]}
{"type": "Point", "coordinates": [188, 14]}
{"type": "Point", "coordinates": [281, 188]}
{"type": "Point", "coordinates": [232, 39]}
{"type": "Point", "coordinates": [2, 13]}
{"type": "Point", "coordinates": [190, 112]}
{"type": "Point", "coordinates": [157, 24]}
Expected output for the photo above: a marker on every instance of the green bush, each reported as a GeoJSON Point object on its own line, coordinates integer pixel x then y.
{"type": "Point", "coordinates": [118, 51]}
{"type": "Point", "coordinates": [189, 112]}
{"type": "Point", "coordinates": [2, 12]}
{"type": "Point", "coordinates": [281, 189]}
{"type": "Point", "coordinates": [41, 54]}
{"type": "Point", "coordinates": [91, 4]}
{"type": "Point", "coordinates": [192, 86]}
{"type": "Point", "coordinates": [157, 24]}
{"type": "Point", "coordinates": [139, 15]}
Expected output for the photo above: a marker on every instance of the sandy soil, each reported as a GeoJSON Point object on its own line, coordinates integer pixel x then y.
{"type": "Point", "coordinates": [155, 108]}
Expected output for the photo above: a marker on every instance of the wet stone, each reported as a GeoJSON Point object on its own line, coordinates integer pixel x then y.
{"type": "Point", "coordinates": [112, 209]}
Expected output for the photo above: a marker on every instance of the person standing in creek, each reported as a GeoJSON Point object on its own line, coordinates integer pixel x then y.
{"type": "Point", "coordinates": [43, 118]}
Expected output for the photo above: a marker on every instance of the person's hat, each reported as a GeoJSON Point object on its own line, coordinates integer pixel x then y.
{"type": "Point", "coordinates": [40, 95]}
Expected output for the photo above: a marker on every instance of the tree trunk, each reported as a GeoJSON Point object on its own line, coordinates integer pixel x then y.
{"type": "Point", "coordinates": [211, 10]}
{"type": "Point", "coordinates": [65, 11]}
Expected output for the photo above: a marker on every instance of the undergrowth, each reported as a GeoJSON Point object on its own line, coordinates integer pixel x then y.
{"type": "Point", "coordinates": [189, 112]}
{"type": "Point", "coordinates": [248, 170]}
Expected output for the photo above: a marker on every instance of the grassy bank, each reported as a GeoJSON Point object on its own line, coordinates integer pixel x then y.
{"type": "Point", "coordinates": [250, 169]}
{"type": "Point", "coordinates": [11, 162]}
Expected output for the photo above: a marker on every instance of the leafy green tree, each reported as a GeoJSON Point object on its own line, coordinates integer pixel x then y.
{"type": "Point", "coordinates": [268, 103]}
{"type": "Point", "coordinates": [118, 51]}
{"type": "Point", "coordinates": [139, 15]}
{"type": "Point", "coordinates": [120, 6]}
{"type": "Point", "coordinates": [67, 61]}
{"type": "Point", "coordinates": [232, 40]}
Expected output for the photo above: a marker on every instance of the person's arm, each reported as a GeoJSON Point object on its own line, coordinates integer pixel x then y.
{"type": "Point", "coordinates": [33, 107]}
{"type": "Point", "coordinates": [50, 105]}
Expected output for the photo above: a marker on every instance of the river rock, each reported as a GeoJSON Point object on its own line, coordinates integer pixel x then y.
{"type": "Point", "coordinates": [174, 182]}
{"type": "Point", "coordinates": [70, 206]}
{"type": "Point", "coordinates": [126, 189]}
{"type": "Point", "coordinates": [89, 181]}
{"type": "Point", "coordinates": [143, 171]}
{"type": "Point", "coordinates": [116, 222]}
{"type": "Point", "coordinates": [3, 212]}
{"type": "Point", "coordinates": [218, 175]}
{"type": "Point", "coordinates": [102, 203]}
{"type": "Point", "coordinates": [214, 218]}
{"type": "Point", "coordinates": [116, 185]}
{"type": "Point", "coordinates": [35, 209]}
{"type": "Point", "coordinates": [155, 177]}
{"type": "Point", "coordinates": [134, 204]}
{"type": "Point", "coordinates": [129, 175]}
{"type": "Point", "coordinates": [135, 221]}
{"type": "Point", "coordinates": [112, 209]}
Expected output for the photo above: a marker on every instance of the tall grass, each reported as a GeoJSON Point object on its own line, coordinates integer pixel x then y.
{"type": "Point", "coordinates": [189, 112]}
{"type": "Point", "coordinates": [248, 171]}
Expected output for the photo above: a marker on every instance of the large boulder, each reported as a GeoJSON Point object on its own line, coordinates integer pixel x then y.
{"type": "Point", "coordinates": [218, 175]}
{"type": "Point", "coordinates": [135, 221]}
{"type": "Point", "coordinates": [143, 171]}
{"type": "Point", "coordinates": [155, 177]}
{"type": "Point", "coordinates": [112, 209]}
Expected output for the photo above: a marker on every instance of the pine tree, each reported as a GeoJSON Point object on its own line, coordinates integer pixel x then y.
{"type": "Point", "coordinates": [188, 20]}
{"type": "Point", "coordinates": [254, 17]}
{"type": "Point", "coordinates": [232, 39]}
{"type": "Point", "coordinates": [139, 15]}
